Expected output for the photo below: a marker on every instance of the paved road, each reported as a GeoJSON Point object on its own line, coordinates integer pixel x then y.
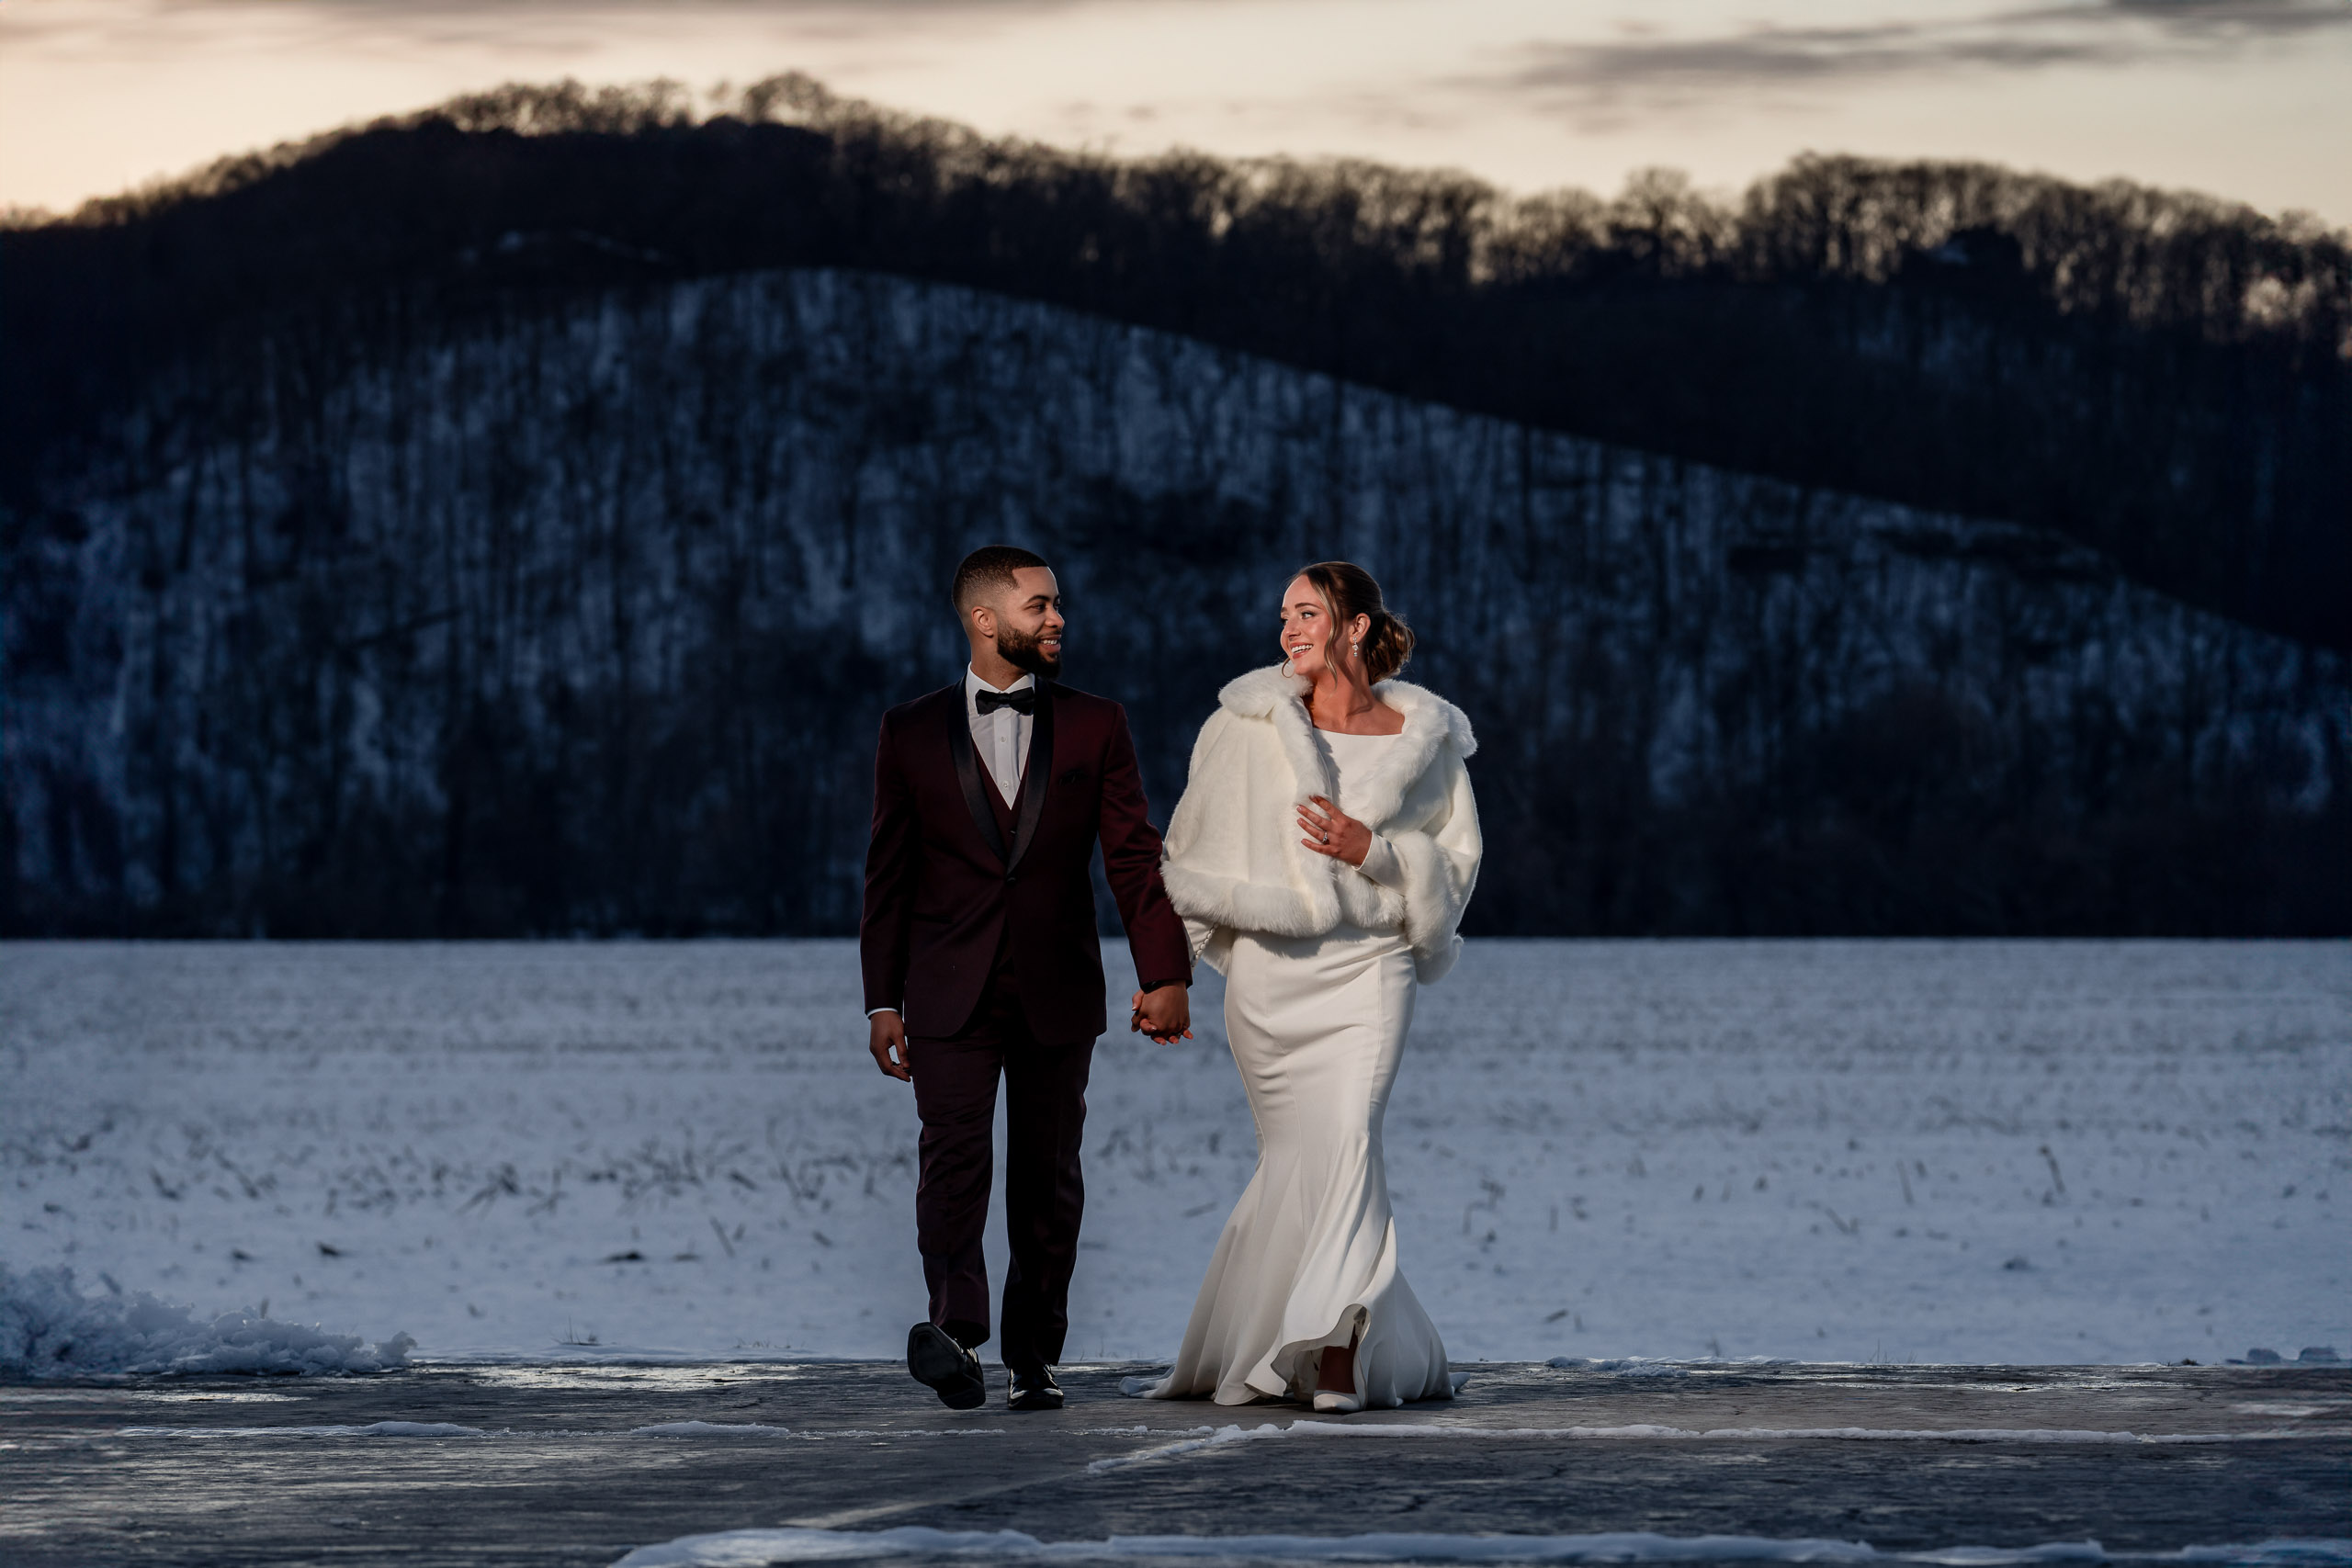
{"type": "Point", "coordinates": [561, 1471]}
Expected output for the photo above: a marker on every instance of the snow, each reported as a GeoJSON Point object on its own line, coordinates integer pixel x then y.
{"type": "Point", "coordinates": [49, 1328]}
{"type": "Point", "coordinates": [750, 1548]}
{"type": "Point", "coordinates": [1638, 1156]}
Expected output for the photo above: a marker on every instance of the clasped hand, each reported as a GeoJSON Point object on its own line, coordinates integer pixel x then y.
{"type": "Point", "coordinates": [1164, 1013]}
{"type": "Point", "coordinates": [1331, 831]}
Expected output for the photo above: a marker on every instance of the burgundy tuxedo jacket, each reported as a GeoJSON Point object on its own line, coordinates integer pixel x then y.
{"type": "Point", "coordinates": [941, 883]}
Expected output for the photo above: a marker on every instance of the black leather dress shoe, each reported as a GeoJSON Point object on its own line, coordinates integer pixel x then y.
{"type": "Point", "coordinates": [945, 1368]}
{"type": "Point", "coordinates": [1035, 1391]}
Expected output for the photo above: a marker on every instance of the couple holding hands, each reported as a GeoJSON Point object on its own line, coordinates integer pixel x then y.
{"type": "Point", "coordinates": [1321, 855]}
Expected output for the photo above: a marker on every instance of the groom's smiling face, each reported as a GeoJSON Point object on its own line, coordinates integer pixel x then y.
{"type": "Point", "coordinates": [1028, 622]}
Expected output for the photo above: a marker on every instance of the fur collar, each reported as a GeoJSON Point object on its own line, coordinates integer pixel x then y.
{"type": "Point", "coordinates": [1430, 722]}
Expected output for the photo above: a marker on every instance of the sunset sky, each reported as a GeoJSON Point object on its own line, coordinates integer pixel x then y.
{"type": "Point", "coordinates": [2250, 99]}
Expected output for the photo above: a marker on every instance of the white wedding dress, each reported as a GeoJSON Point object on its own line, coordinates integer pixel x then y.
{"type": "Point", "coordinates": [1308, 1258]}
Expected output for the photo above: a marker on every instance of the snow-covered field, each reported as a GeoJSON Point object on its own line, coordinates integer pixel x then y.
{"type": "Point", "coordinates": [1843, 1151]}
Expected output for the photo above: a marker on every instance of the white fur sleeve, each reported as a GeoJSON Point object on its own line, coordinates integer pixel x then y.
{"type": "Point", "coordinates": [1182, 840]}
{"type": "Point", "coordinates": [1441, 865]}
{"type": "Point", "coordinates": [1186, 843]}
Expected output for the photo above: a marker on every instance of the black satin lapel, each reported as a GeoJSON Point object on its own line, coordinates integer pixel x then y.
{"type": "Point", "coordinates": [968, 773]}
{"type": "Point", "coordinates": [1039, 768]}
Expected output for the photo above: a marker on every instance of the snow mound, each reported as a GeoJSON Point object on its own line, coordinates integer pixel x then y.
{"type": "Point", "coordinates": [48, 1329]}
{"type": "Point", "coordinates": [759, 1547]}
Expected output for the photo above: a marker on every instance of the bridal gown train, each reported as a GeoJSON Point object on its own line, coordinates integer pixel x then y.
{"type": "Point", "coordinates": [1308, 1258]}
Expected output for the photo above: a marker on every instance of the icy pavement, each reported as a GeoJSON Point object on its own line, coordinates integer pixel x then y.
{"type": "Point", "coordinates": [758, 1548]}
{"type": "Point", "coordinates": [649, 1466]}
{"type": "Point", "coordinates": [2017, 1153]}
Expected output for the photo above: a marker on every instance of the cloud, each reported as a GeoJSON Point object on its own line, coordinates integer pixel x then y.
{"type": "Point", "coordinates": [2251, 18]}
{"type": "Point", "coordinates": [115, 24]}
{"type": "Point", "coordinates": [1770, 54]}
{"type": "Point", "coordinates": [1643, 66]}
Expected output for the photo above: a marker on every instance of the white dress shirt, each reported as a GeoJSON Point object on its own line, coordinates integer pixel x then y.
{"type": "Point", "coordinates": [1001, 738]}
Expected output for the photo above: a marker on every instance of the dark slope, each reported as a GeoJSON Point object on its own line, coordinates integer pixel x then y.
{"type": "Point", "coordinates": [581, 619]}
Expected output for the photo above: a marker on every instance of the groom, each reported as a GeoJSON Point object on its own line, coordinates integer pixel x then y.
{"type": "Point", "coordinates": [981, 960]}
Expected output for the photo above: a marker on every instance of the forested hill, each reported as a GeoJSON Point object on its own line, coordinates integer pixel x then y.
{"type": "Point", "coordinates": [513, 522]}
{"type": "Point", "coordinates": [2165, 377]}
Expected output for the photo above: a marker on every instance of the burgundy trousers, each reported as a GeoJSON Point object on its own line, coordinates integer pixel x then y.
{"type": "Point", "coordinates": [1045, 1196]}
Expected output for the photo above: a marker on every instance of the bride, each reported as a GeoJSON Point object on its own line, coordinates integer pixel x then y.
{"type": "Point", "coordinates": [1322, 856]}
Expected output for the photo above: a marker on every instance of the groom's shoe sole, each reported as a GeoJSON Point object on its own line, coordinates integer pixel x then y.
{"type": "Point", "coordinates": [945, 1368]}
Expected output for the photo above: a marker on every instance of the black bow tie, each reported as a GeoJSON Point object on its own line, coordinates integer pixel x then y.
{"type": "Point", "coordinates": [1023, 701]}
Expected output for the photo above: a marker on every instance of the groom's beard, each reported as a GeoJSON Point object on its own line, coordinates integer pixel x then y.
{"type": "Point", "coordinates": [1022, 653]}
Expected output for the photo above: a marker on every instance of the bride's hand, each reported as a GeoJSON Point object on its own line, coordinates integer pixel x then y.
{"type": "Point", "coordinates": [1331, 831]}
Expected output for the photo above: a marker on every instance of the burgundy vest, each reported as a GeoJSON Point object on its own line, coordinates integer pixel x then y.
{"type": "Point", "coordinates": [1002, 978]}
{"type": "Point", "coordinates": [1007, 817]}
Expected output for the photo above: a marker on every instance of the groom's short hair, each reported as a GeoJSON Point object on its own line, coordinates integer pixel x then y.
{"type": "Point", "coordinates": [988, 568]}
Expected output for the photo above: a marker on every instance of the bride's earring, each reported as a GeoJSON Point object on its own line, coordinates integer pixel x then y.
{"type": "Point", "coordinates": [1286, 670]}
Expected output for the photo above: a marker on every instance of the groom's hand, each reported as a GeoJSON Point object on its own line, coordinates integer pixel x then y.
{"type": "Point", "coordinates": [1165, 1013]}
{"type": "Point", "coordinates": [887, 1040]}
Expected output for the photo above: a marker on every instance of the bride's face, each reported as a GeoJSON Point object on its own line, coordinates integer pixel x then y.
{"type": "Point", "coordinates": [1306, 628]}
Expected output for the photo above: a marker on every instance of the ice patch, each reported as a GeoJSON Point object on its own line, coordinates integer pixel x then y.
{"type": "Point", "coordinates": [1655, 1367]}
{"type": "Point", "coordinates": [758, 1548]}
{"type": "Point", "coordinates": [374, 1429]}
{"type": "Point", "coordinates": [908, 1432]}
{"type": "Point", "coordinates": [710, 1429]}
{"type": "Point", "coordinates": [48, 1329]}
{"type": "Point", "coordinates": [1206, 1437]}
{"type": "Point", "coordinates": [1140, 1388]}
{"type": "Point", "coordinates": [563, 1355]}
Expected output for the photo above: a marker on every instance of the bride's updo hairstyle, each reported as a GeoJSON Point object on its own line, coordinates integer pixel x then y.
{"type": "Point", "coordinates": [1349, 591]}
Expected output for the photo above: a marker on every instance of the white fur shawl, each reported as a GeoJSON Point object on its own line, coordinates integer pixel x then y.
{"type": "Point", "coordinates": [1233, 859]}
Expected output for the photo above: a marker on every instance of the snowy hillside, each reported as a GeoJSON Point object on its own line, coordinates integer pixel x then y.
{"type": "Point", "coordinates": [579, 616]}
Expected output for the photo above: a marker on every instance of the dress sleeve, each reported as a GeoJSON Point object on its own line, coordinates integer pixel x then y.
{"type": "Point", "coordinates": [1381, 865]}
